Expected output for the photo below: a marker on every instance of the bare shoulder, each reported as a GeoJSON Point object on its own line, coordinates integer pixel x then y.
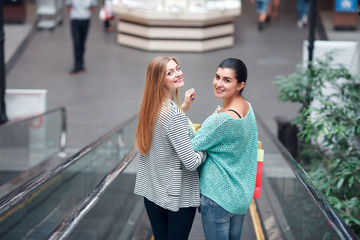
{"type": "Point", "coordinates": [245, 107]}
{"type": "Point", "coordinates": [241, 109]}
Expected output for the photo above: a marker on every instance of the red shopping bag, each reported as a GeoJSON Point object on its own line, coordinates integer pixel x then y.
{"type": "Point", "coordinates": [259, 168]}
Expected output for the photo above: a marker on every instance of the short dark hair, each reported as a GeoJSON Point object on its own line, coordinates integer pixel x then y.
{"type": "Point", "coordinates": [238, 67]}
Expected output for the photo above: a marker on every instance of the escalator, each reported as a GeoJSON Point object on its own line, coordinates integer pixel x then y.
{"type": "Point", "coordinates": [33, 210]}
{"type": "Point", "coordinates": [90, 196]}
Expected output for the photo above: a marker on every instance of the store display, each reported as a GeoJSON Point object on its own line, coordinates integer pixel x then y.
{"type": "Point", "coordinates": [178, 25]}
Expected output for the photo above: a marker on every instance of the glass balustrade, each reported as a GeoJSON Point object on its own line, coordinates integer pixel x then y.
{"type": "Point", "coordinates": [26, 144]}
{"type": "Point", "coordinates": [35, 212]}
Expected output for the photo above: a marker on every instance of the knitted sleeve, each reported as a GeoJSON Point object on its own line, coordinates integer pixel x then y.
{"type": "Point", "coordinates": [210, 134]}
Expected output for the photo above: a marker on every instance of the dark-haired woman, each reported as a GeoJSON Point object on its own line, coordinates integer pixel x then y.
{"type": "Point", "coordinates": [227, 177]}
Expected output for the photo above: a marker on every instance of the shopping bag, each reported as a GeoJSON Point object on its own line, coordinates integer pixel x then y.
{"type": "Point", "coordinates": [105, 13]}
{"type": "Point", "coordinates": [259, 168]}
{"type": "Point", "coordinates": [194, 126]}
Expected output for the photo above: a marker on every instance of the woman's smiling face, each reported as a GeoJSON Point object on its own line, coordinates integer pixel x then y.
{"type": "Point", "coordinates": [173, 77]}
{"type": "Point", "coordinates": [225, 84]}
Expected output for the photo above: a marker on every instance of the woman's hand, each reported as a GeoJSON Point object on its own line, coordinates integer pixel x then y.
{"type": "Point", "coordinates": [217, 109]}
{"type": "Point", "coordinates": [190, 96]}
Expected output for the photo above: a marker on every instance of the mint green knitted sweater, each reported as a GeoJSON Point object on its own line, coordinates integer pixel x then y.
{"type": "Point", "coordinates": [228, 174]}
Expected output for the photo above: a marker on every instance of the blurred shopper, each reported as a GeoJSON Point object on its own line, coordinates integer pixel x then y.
{"type": "Point", "coordinates": [261, 10]}
{"type": "Point", "coordinates": [166, 175]}
{"type": "Point", "coordinates": [302, 12]}
{"type": "Point", "coordinates": [229, 136]}
{"type": "Point", "coordinates": [80, 13]}
{"type": "Point", "coordinates": [106, 15]}
{"type": "Point", "coordinates": [273, 10]}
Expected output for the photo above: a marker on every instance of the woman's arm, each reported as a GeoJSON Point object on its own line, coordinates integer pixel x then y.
{"type": "Point", "coordinates": [179, 137]}
{"type": "Point", "coordinates": [210, 134]}
{"type": "Point", "coordinates": [190, 96]}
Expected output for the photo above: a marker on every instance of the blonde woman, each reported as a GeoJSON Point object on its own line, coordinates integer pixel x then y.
{"type": "Point", "coordinates": [167, 176]}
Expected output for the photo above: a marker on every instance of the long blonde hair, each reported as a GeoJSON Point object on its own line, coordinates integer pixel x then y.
{"type": "Point", "coordinates": [153, 99]}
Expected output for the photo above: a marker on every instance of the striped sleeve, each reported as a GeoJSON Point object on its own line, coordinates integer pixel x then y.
{"type": "Point", "coordinates": [180, 139]}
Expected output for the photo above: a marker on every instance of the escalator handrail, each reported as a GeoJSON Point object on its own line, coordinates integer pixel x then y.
{"type": "Point", "coordinates": [21, 194]}
{"type": "Point", "coordinates": [63, 134]}
{"type": "Point", "coordinates": [320, 200]}
{"type": "Point", "coordinates": [74, 217]}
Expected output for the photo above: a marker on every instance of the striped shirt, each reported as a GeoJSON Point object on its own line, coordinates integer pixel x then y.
{"type": "Point", "coordinates": [167, 174]}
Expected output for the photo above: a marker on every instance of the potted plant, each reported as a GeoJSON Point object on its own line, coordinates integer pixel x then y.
{"type": "Point", "coordinates": [329, 130]}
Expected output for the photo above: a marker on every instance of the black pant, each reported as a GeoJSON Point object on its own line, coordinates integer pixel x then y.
{"type": "Point", "coordinates": [106, 23]}
{"type": "Point", "coordinates": [79, 30]}
{"type": "Point", "coordinates": [169, 225]}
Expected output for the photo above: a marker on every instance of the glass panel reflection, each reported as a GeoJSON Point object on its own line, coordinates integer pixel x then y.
{"type": "Point", "coordinates": [24, 145]}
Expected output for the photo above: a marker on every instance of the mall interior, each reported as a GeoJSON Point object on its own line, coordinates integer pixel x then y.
{"type": "Point", "coordinates": [67, 155]}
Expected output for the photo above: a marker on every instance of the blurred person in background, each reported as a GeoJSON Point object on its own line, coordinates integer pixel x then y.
{"type": "Point", "coordinates": [80, 12]}
{"type": "Point", "coordinates": [302, 12]}
{"type": "Point", "coordinates": [261, 10]}
{"type": "Point", "coordinates": [273, 10]}
{"type": "Point", "coordinates": [108, 15]}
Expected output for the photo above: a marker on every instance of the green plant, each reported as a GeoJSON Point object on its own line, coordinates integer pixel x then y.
{"type": "Point", "coordinates": [329, 129]}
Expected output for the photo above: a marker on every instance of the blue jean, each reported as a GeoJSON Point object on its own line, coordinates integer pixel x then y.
{"type": "Point", "coordinates": [262, 6]}
{"type": "Point", "coordinates": [218, 223]}
{"type": "Point", "coordinates": [302, 8]}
